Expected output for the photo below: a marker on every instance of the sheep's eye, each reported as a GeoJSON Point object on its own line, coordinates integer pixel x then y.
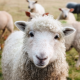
{"type": "Point", "coordinates": [31, 34]}
{"type": "Point", "coordinates": [56, 37]}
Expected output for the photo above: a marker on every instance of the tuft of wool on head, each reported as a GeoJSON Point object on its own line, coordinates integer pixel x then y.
{"type": "Point", "coordinates": [45, 23]}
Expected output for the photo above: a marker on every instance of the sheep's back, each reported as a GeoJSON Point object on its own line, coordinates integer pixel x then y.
{"type": "Point", "coordinates": [39, 9]}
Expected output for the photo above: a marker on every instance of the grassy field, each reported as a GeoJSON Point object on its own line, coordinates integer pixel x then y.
{"type": "Point", "coordinates": [16, 9]}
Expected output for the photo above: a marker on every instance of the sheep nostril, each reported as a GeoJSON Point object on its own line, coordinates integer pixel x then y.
{"type": "Point", "coordinates": [41, 59]}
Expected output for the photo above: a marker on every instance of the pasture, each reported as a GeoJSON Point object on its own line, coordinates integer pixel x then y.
{"type": "Point", "coordinates": [16, 9]}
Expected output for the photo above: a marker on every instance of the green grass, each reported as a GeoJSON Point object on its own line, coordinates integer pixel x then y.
{"type": "Point", "coordinates": [72, 57]}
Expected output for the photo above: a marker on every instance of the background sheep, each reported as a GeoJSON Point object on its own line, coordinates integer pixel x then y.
{"type": "Point", "coordinates": [35, 7]}
{"type": "Point", "coordinates": [38, 53]}
{"type": "Point", "coordinates": [66, 14]}
{"type": "Point", "coordinates": [6, 21]}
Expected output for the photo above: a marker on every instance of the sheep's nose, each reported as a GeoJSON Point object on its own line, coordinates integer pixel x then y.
{"type": "Point", "coordinates": [41, 59]}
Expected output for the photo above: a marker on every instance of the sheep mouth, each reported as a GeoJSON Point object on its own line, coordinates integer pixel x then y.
{"type": "Point", "coordinates": [40, 64]}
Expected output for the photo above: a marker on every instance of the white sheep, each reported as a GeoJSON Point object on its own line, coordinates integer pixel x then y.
{"type": "Point", "coordinates": [66, 14]}
{"type": "Point", "coordinates": [38, 53]}
{"type": "Point", "coordinates": [6, 21]}
{"type": "Point", "coordinates": [35, 7]}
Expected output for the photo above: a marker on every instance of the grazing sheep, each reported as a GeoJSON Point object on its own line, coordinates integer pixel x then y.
{"type": "Point", "coordinates": [38, 53]}
{"type": "Point", "coordinates": [6, 21]}
{"type": "Point", "coordinates": [66, 14]}
{"type": "Point", "coordinates": [34, 7]}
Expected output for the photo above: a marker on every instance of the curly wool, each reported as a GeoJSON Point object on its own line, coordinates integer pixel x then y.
{"type": "Point", "coordinates": [45, 22]}
{"type": "Point", "coordinates": [52, 72]}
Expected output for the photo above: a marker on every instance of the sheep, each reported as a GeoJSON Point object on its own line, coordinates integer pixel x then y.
{"type": "Point", "coordinates": [66, 14]}
{"type": "Point", "coordinates": [37, 53]}
{"type": "Point", "coordinates": [34, 7]}
{"type": "Point", "coordinates": [6, 21]}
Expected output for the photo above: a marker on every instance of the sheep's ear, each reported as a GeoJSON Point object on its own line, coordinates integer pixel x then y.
{"type": "Point", "coordinates": [21, 25]}
{"type": "Point", "coordinates": [71, 10]}
{"type": "Point", "coordinates": [27, 13]}
{"type": "Point", "coordinates": [60, 9]}
{"type": "Point", "coordinates": [68, 30]}
{"type": "Point", "coordinates": [45, 14]}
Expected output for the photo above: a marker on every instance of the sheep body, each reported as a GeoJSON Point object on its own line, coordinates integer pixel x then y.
{"type": "Point", "coordinates": [6, 21]}
{"type": "Point", "coordinates": [19, 60]}
{"type": "Point", "coordinates": [74, 40]}
{"type": "Point", "coordinates": [38, 9]}
{"type": "Point", "coordinates": [10, 55]}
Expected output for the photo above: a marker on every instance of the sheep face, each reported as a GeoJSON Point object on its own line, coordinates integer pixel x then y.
{"type": "Point", "coordinates": [43, 44]}
{"type": "Point", "coordinates": [65, 12]}
{"type": "Point", "coordinates": [41, 47]}
{"type": "Point", "coordinates": [31, 5]}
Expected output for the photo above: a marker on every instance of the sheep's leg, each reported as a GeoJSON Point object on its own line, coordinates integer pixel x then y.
{"type": "Point", "coordinates": [78, 62]}
{"type": "Point", "coordinates": [3, 32]}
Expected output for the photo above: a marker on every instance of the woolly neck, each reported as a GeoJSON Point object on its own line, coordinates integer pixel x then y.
{"type": "Point", "coordinates": [31, 72]}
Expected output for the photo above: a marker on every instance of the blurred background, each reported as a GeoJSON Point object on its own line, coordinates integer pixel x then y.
{"type": "Point", "coordinates": [17, 7]}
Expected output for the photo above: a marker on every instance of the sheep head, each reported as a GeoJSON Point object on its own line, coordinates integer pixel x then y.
{"type": "Point", "coordinates": [31, 4]}
{"type": "Point", "coordinates": [44, 39]}
{"type": "Point", "coordinates": [65, 12]}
